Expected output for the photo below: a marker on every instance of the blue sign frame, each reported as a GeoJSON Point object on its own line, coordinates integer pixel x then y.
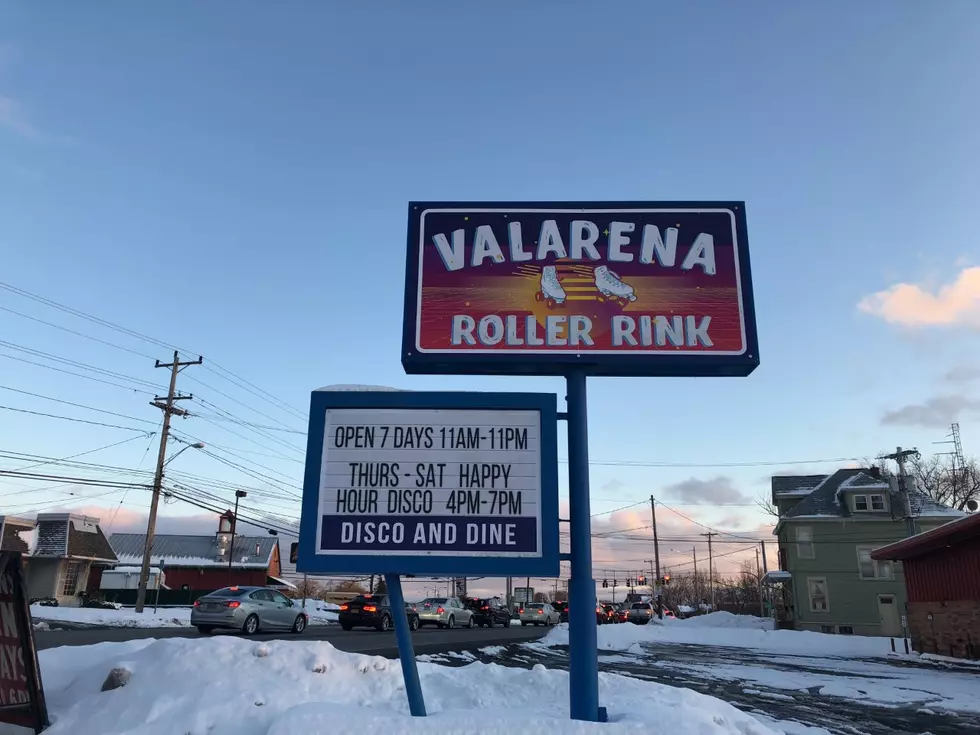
{"type": "Point", "coordinates": [634, 364]}
{"type": "Point", "coordinates": [546, 565]}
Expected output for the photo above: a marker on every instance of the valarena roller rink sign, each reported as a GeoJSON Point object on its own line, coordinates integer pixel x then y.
{"type": "Point", "coordinates": [624, 289]}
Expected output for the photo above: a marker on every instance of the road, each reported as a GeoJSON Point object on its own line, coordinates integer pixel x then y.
{"type": "Point", "coordinates": [426, 640]}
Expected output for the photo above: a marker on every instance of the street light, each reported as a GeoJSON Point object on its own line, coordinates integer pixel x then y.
{"type": "Point", "coordinates": [195, 445]}
{"type": "Point", "coordinates": [239, 494]}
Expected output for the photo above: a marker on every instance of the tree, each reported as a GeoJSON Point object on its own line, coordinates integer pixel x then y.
{"type": "Point", "coordinates": [542, 597]}
{"type": "Point", "coordinates": [937, 479]}
{"type": "Point", "coordinates": [306, 588]}
{"type": "Point", "coordinates": [764, 501]}
{"type": "Point", "coordinates": [381, 588]}
{"type": "Point", "coordinates": [350, 585]}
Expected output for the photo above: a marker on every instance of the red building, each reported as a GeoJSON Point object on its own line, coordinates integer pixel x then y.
{"type": "Point", "coordinates": [206, 563]}
{"type": "Point", "coordinates": [942, 579]}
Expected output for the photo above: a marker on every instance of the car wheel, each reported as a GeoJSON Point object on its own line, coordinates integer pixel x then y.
{"type": "Point", "coordinates": [251, 626]}
{"type": "Point", "coordinates": [205, 629]}
{"type": "Point", "coordinates": [469, 623]}
{"type": "Point", "coordinates": [452, 623]}
{"type": "Point", "coordinates": [507, 623]}
{"type": "Point", "coordinates": [299, 625]}
{"type": "Point", "coordinates": [548, 623]}
{"type": "Point", "coordinates": [413, 624]}
{"type": "Point", "coordinates": [385, 625]}
{"type": "Point", "coordinates": [347, 626]}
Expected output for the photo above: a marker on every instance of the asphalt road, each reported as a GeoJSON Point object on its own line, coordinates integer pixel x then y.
{"type": "Point", "coordinates": [426, 640]}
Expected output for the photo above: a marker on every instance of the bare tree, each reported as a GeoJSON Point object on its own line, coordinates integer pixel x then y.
{"type": "Point", "coordinates": [764, 501]}
{"type": "Point", "coordinates": [307, 589]}
{"type": "Point", "coordinates": [350, 585]}
{"type": "Point", "coordinates": [936, 477]}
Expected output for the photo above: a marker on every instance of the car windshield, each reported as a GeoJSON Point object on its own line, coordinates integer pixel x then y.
{"type": "Point", "coordinates": [536, 606]}
{"type": "Point", "coordinates": [229, 592]}
{"type": "Point", "coordinates": [640, 606]}
{"type": "Point", "coordinates": [364, 599]}
{"type": "Point", "coordinates": [434, 601]}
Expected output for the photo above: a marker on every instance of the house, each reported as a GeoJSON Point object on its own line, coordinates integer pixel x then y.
{"type": "Point", "coordinates": [68, 549]}
{"type": "Point", "coordinates": [195, 565]}
{"type": "Point", "coordinates": [10, 529]}
{"type": "Point", "coordinates": [828, 526]}
{"type": "Point", "coordinates": [942, 583]}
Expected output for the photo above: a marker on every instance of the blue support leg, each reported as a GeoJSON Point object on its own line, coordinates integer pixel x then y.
{"type": "Point", "coordinates": [406, 653]}
{"type": "Point", "coordinates": [583, 654]}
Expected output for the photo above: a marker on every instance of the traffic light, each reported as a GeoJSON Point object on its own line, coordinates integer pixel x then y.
{"type": "Point", "coordinates": [641, 580]}
{"type": "Point", "coordinates": [605, 584]}
{"type": "Point", "coordinates": [614, 583]}
{"type": "Point", "coordinates": [665, 580]}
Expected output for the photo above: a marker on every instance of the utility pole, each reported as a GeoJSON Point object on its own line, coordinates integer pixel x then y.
{"type": "Point", "coordinates": [711, 569]}
{"type": "Point", "coordinates": [900, 456]}
{"type": "Point", "coordinates": [656, 555]}
{"type": "Point", "coordinates": [765, 562]}
{"type": "Point", "coordinates": [758, 576]}
{"type": "Point", "coordinates": [167, 406]}
{"type": "Point", "coordinates": [694, 552]}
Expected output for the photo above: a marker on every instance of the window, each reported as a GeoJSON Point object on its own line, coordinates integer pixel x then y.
{"type": "Point", "coordinates": [868, 503]}
{"type": "Point", "coordinates": [804, 542]}
{"type": "Point", "coordinates": [70, 583]}
{"type": "Point", "coordinates": [868, 568]}
{"type": "Point", "coordinates": [845, 630]}
{"type": "Point", "coordinates": [826, 628]}
{"type": "Point", "coordinates": [817, 588]}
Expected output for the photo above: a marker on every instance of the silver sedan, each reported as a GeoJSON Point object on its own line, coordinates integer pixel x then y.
{"type": "Point", "coordinates": [540, 613]}
{"type": "Point", "coordinates": [444, 612]}
{"type": "Point", "coordinates": [248, 609]}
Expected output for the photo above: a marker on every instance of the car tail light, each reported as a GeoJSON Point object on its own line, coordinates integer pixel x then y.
{"type": "Point", "coordinates": [441, 610]}
{"type": "Point", "coordinates": [197, 603]}
{"type": "Point", "coordinates": [345, 606]}
{"type": "Point", "coordinates": [485, 607]}
{"type": "Point", "coordinates": [233, 604]}
{"type": "Point", "coordinates": [370, 608]}
{"type": "Point", "coordinates": [521, 611]}
{"type": "Point", "coordinates": [540, 611]}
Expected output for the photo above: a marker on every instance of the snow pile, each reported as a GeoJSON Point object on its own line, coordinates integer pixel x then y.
{"type": "Point", "coordinates": [320, 612]}
{"type": "Point", "coordinates": [725, 620]}
{"type": "Point", "coordinates": [173, 617]}
{"type": "Point", "coordinates": [624, 637]}
{"type": "Point", "coordinates": [231, 686]}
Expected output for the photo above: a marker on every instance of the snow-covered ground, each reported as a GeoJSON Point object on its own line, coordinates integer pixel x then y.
{"type": "Point", "coordinates": [320, 613]}
{"type": "Point", "coordinates": [233, 686]}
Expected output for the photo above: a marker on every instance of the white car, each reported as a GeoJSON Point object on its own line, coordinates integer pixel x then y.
{"type": "Point", "coordinates": [540, 613]}
{"type": "Point", "coordinates": [444, 612]}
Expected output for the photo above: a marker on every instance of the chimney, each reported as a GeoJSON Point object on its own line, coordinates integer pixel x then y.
{"type": "Point", "coordinates": [226, 526]}
{"type": "Point", "coordinates": [258, 548]}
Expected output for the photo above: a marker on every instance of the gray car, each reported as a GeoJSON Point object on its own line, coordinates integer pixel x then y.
{"type": "Point", "coordinates": [540, 613]}
{"type": "Point", "coordinates": [248, 609]}
{"type": "Point", "coordinates": [444, 612]}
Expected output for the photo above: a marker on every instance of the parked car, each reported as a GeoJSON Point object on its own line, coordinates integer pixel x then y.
{"type": "Point", "coordinates": [641, 613]}
{"type": "Point", "coordinates": [669, 614]}
{"type": "Point", "coordinates": [373, 611]}
{"type": "Point", "coordinates": [444, 612]}
{"type": "Point", "coordinates": [540, 613]}
{"type": "Point", "coordinates": [248, 609]}
{"type": "Point", "coordinates": [488, 612]}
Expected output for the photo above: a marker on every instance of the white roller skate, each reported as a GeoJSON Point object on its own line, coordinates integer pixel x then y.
{"type": "Point", "coordinates": [610, 287]}
{"type": "Point", "coordinates": [551, 291]}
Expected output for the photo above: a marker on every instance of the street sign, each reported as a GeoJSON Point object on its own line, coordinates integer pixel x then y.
{"type": "Point", "coordinates": [21, 694]}
{"type": "Point", "coordinates": [905, 622]}
{"type": "Point", "coordinates": [611, 288]}
{"type": "Point", "coordinates": [431, 483]}
{"type": "Point", "coordinates": [524, 594]}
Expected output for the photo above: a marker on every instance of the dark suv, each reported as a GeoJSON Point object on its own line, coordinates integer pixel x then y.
{"type": "Point", "coordinates": [373, 611]}
{"type": "Point", "coordinates": [488, 612]}
{"type": "Point", "coordinates": [562, 608]}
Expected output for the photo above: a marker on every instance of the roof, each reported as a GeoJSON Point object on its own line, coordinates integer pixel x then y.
{"type": "Point", "coordinates": [10, 528]}
{"type": "Point", "coordinates": [942, 537]}
{"type": "Point", "coordinates": [788, 486]}
{"type": "Point", "coordinates": [72, 536]}
{"type": "Point", "coordinates": [177, 550]}
{"type": "Point", "coordinates": [823, 501]}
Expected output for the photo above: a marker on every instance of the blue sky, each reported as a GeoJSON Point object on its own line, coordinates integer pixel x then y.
{"type": "Point", "coordinates": [232, 178]}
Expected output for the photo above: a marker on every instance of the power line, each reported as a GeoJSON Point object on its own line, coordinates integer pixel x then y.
{"type": "Point", "coordinates": [625, 507]}
{"type": "Point", "coordinates": [697, 465]}
{"type": "Point", "coordinates": [76, 364]}
{"type": "Point", "coordinates": [76, 405]}
{"type": "Point", "coordinates": [81, 454]}
{"type": "Point", "coordinates": [80, 334]}
{"type": "Point", "coordinates": [77, 375]}
{"type": "Point", "coordinates": [69, 418]}
{"type": "Point", "coordinates": [696, 523]}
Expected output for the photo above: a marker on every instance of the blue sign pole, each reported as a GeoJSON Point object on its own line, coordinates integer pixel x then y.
{"type": "Point", "coordinates": [583, 653]}
{"type": "Point", "coordinates": [406, 653]}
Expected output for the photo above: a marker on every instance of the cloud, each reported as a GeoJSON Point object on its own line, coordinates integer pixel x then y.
{"type": "Point", "coordinates": [718, 491]}
{"type": "Point", "coordinates": [14, 117]}
{"type": "Point", "coordinates": [613, 485]}
{"type": "Point", "coordinates": [940, 411]}
{"type": "Point", "coordinates": [962, 374]}
{"type": "Point", "coordinates": [911, 305]}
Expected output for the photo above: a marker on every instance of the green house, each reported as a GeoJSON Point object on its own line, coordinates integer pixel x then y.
{"type": "Point", "coordinates": [828, 526]}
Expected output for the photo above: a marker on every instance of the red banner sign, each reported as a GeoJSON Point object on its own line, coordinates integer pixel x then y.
{"type": "Point", "coordinates": [21, 695]}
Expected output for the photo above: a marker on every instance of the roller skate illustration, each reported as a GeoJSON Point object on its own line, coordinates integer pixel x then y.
{"type": "Point", "coordinates": [611, 288]}
{"type": "Point", "coordinates": [551, 291]}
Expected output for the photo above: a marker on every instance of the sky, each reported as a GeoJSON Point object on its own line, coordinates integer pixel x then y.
{"type": "Point", "coordinates": [232, 179]}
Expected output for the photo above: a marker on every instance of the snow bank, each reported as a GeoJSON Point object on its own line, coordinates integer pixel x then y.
{"type": "Point", "coordinates": [725, 620]}
{"type": "Point", "coordinates": [231, 686]}
{"type": "Point", "coordinates": [622, 637]}
{"type": "Point", "coordinates": [174, 617]}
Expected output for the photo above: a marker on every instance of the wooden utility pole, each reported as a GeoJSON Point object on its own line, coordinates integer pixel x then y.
{"type": "Point", "coordinates": [694, 552]}
{"type": "Point", "coordinates": [167, 406]}
{"type": "Point", "coordinates": [711, 569]}
{"type": "Point", "coordinates": [656, 555]}
{"type": "Point", "coordinates": [758, 576]}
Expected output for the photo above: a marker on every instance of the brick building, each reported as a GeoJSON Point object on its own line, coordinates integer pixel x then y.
{"type": "Point", "coordinates": [942, 580]}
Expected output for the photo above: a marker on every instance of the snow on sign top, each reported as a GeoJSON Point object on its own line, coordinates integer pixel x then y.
{"type": "Point", "coordinates": [612, 288]}
{"type": "Point", "coordinates": [450, 479]}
